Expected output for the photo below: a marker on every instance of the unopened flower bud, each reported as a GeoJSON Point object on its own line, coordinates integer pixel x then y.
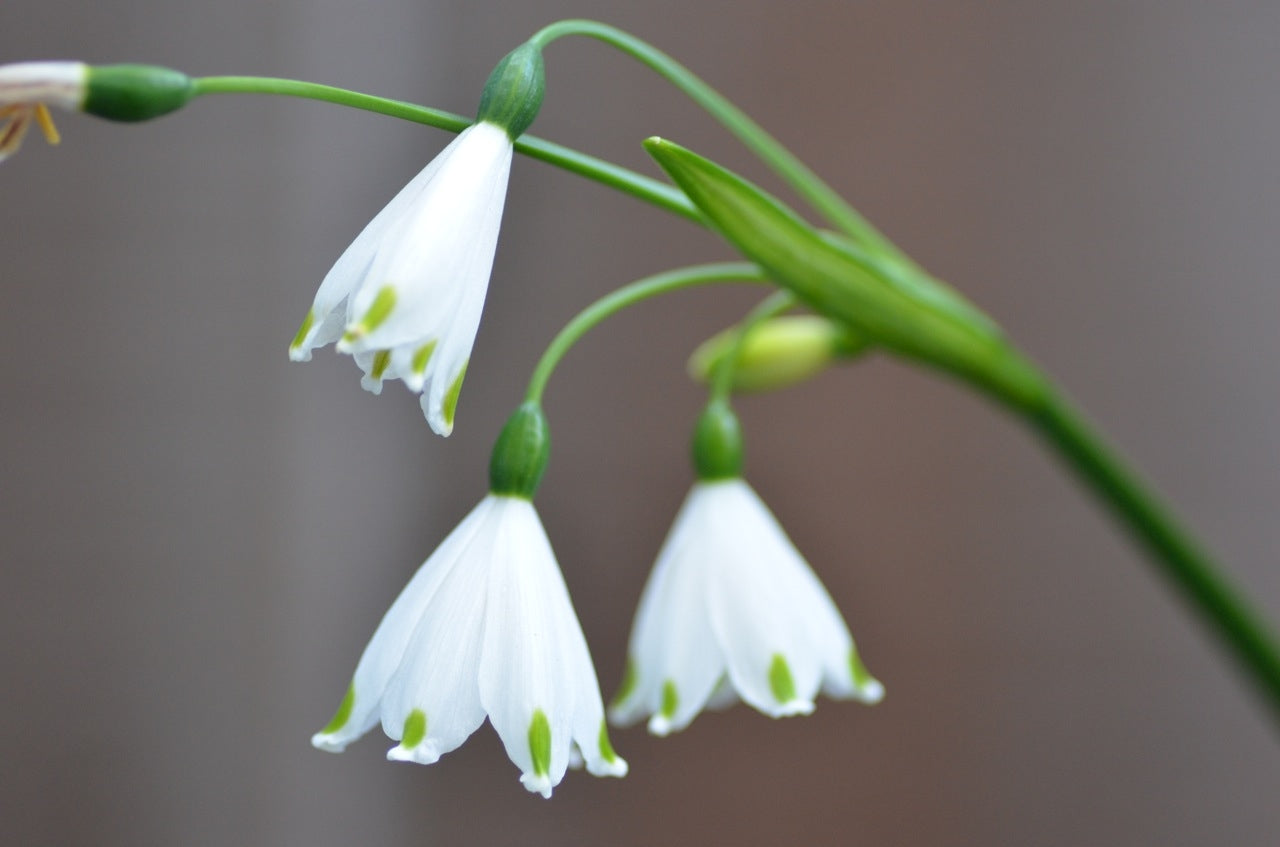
{"type": "Point", "coordinates": [777, 353]}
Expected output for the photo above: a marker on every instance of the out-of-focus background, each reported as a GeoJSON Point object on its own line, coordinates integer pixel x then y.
{"type": "Point", "coordinates": [197, 537]}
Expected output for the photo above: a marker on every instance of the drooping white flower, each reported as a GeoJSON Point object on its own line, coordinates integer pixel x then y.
{"type": "Point", "coordinates": [27, 89]}
{"type": "Point", "coordinates": [732, 611]}
{"type": "Point", "coordinates": [484, 628]}
{"type": "Point", "coordinates": [405, 298]}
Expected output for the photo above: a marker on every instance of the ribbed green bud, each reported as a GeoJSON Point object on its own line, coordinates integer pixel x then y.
{"type": "Point", "coordinates": [777, 353]}
{"type": "Point", "coordinates": [521, 453]}
{"type": "Point", "coordinates": [717, 443]}
{"type": "Point", "coordinates": [513, 94]}
{"type": "Point", "coordinates": [135, 92]}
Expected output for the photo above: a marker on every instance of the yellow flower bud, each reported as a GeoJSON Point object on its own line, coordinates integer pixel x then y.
{"type": "Point", "coordinates": [778, 352]}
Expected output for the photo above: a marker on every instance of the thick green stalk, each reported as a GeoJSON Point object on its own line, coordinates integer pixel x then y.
{"type": "Point", "coordinates": [778, 158]}
{"type": "Point", "coordinates": [629, 182]}
{"type": "Point", "coordinates": [1187, 568]}
{"type": "Point", "coordinates": [626, 296]}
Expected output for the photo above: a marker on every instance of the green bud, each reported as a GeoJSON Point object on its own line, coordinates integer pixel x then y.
{"type": "Point", "coordinates": [521, 453]}
{"type": "Point", "coordinates": [513, 94]}
{"type": "Point", "coordinates": [717, 443]}
{"type": "Point", "coordinates": [135, 92]}
{"type": "Point", "coordinates": [777, 353]}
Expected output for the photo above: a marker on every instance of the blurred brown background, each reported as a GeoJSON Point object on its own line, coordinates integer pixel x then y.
{"type": "Point", "coordinates": [197, 538]}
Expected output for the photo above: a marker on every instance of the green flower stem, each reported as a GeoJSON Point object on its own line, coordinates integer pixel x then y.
{"type": "Point", "coordinates": [1189, 569]}
{"type": "Point", "coordinates": [777, 157]}
{"type": "Point", "coordinates": [722, 380]}
{"type": "Point", "coordinates": [629, 182]}
{"type": "Point", "coordinates": [629, 295]}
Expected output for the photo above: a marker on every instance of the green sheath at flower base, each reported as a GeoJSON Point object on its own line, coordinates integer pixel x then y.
{"type": "Point", "coordinates": [717, 443]}
{"type": "Point", "coordinates": [777, 353]}
{"type": "Point", "coordinates": [521, 453]}
{"type": "Point", "coordinates": [133, 93]}
{"type": "Point", "coordinates": [513, 94]}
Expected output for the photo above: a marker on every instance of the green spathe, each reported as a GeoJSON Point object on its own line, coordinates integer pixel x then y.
{"type": "Point", "coordinates": [881, 298]}
{"type": "Point", "coordinates": [521, 453]}
{"type": "Point", "coordinates": [717, 443]}
{"type": "Point", "coordinates": [513, 94]}
{"type": "Point", "coordinates": [132, 93]}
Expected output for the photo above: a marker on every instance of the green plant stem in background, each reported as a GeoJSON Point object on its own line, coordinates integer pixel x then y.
{"type": "Point", "coordinates": [629, 182]}
{"type": "Point", "coordinates": [778, 158]}
{"type": "Point", "coordinates": [1189, 569]}
{"type": "Point", "coordinates": [722, 380]}
{"type": "Point", "coordinates": [627, 296]}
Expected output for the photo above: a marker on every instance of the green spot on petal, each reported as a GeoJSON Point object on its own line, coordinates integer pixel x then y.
{"type": "Point", "coordinates": [307, 323]}
{"type": "Point", "coordinates": [858, 671]}
{"type": "Point", "coordinates": [422, 356]}
{"type": "Point", "coordinates": [540, 743]}
{"type": "Point", "coordinates": [628, 683]}
{"type": "Point", "coordinates": [380, 362]}
{"type": "Point", "coordinates": [670, 699]}
{"type": "Point", "coordinates": [606, 749]}
{"type": "Point", "coordinates": [383, 303]}
{"type": "Point", "coordinates": [343, 714]}
{"type": "Point", "coordinates": [451, 398]}
{"type": "Point", "coordinates": [415, 729]}
{"type": "Point", "coordinates": [780, 681]}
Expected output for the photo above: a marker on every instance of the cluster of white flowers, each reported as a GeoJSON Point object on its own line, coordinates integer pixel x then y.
{"type": "Point", "coordinates": [485, 628]}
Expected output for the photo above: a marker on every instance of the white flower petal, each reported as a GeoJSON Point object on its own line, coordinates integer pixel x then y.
{"type": "Point", "coordinates": [386, 649]}
{"type": "Point", "coordinates": [437, 675]}
{"type": "Point", "coordinates": [60, 84]}
{"type": "Point", "coordinates": [445, 242]}
{"type": "Point", "coordinates": [675, 657]}
{"type": "Point", "coordinates": [523, 669]}
{"type": "Point", "coordinates": [754, 609]}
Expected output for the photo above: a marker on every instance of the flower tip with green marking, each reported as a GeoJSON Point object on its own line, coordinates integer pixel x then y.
{"type": "Point", "coordinates": [406, 297]}
{"type": "Point", "coordinates": [484, 629]}
{"type": "Point", "coordinates": [729, 580]}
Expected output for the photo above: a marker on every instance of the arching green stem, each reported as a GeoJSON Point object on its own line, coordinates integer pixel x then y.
{"type": "Point", "coordinates": [629, 182]}
{"type": "Point", "coordinates": [773, 305]}
{"type": "Point", "coordinates": [1175, 553]}
{"type": "Point", "coordinates": [779, 159]}
{"type": "Point", "coordinates": [629, 295]}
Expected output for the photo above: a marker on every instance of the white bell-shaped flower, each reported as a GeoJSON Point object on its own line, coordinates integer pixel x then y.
{"type": "Point", "coordinates": [27, 89]}
{"type": "Point", "coordinates": [484, 628]}
{"type": "Point", "coordinates": [405, 298]}
{"type": "Point", "coordinates": [732, 610]}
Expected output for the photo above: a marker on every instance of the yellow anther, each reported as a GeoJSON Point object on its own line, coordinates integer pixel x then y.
{"type": "Point", "coordinates": [45, 120]}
